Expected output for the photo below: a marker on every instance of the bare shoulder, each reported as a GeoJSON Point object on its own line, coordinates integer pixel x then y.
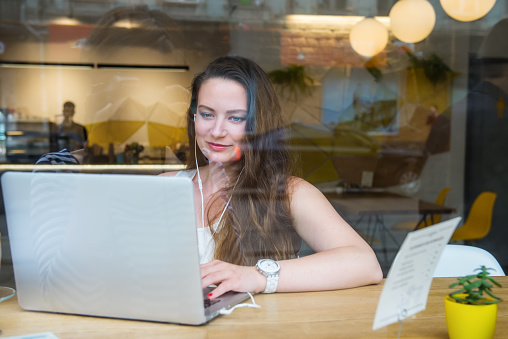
{"type": "Point", "coordinates": [298, 186]}
{"type": "Point", "coordinates": [301, 193]}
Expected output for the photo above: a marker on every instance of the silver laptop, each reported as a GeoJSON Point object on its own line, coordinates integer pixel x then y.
{"type": "Point", "coordinates": [121, 246]}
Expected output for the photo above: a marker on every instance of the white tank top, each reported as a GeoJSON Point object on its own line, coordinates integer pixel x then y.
{"type": "Point", "coordinates": [206, 245]}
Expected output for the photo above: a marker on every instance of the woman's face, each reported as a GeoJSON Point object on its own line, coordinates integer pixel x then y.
{"type": "Point", "coordinates": [221, 116]}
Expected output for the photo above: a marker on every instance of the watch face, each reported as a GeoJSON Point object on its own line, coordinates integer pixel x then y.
{"type": "Point", "coordinates": [269, 266]}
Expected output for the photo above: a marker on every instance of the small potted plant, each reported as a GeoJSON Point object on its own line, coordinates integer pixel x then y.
{"type": "Point", "coordinates": [132, 152]}
{"type": "Point", "coordinates": [471, 311]}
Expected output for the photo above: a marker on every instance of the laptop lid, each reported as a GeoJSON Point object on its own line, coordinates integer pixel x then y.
{"type": "Point", "coordinates": [121, 246]}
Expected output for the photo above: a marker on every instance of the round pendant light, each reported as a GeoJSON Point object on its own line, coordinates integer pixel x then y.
{"type": "Point", "coordinates": [467, 10]}
{"type": "Point", "coordinates": [368, 37]}
{"type": "Point", "coordinates": [412, 20]}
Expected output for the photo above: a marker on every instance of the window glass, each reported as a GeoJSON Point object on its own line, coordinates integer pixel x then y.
{"type": "Point", "coordinates": [382, 136]}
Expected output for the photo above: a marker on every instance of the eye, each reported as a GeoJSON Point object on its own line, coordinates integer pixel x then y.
{"type": "Point", "coordinates": [236, 119]}
{"type": "Point", "coordinates": [206, 115]}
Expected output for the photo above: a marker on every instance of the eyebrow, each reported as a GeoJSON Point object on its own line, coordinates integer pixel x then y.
{"type": "Point", "coordinates": [232, 111]}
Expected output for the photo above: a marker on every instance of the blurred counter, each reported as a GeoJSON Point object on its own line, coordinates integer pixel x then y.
{"type": "Point", "coordinates": [147, 169]}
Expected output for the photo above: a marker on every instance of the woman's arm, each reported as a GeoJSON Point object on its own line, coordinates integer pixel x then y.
{"type": "Point", "coordinates": [342, 259]}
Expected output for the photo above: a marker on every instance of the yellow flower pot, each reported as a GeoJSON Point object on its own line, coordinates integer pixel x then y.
{"type": "Point", "coordinates": [470, 321]}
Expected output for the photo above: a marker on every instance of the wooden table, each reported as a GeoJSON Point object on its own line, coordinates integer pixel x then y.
{"type": "Point", "coordinates": [334, 314]}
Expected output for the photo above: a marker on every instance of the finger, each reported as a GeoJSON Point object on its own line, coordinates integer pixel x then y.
{"type": "Point", "coordinates": [217, 169]}
{"type": "Point", "coordinates": [220, 178]}
{"type": "Point", "coordinates": [206, 152]}
{"type": "Point", "coordinates": [217, 272]}
{"type": "Point", "coordinates": [211, 156]}
{"type": "Point", "coordinates": [218, 172]}
{"type": "Point", "coordinates": [214, 278]}
{"type": "Point", "coordinates": [216, 166]}
{"type": "Point", "coordinates": [214, 262]}
{"type": "Point", "coordinates": [210, 267]}
{"type": "Point", "coordinates": [218, 291]}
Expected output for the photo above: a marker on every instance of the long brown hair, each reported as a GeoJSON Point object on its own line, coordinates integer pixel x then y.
{"type": "Point", "coordinates": [257, 223]}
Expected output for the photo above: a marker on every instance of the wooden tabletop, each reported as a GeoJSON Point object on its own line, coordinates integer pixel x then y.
{"type": "Point", "coordinates": [383, 203]}
{"type": "Point", "coordinates": [333, 314]}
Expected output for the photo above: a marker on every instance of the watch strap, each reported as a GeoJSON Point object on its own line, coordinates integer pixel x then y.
{"type": "Point", "coordinates": [271, 283]}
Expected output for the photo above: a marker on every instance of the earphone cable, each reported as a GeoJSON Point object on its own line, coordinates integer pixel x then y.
{"type": "Point", "coordinates": [200, 184]}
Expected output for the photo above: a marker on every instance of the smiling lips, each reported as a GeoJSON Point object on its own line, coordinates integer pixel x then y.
{"type": "Point", "coordinates": [218, 147]}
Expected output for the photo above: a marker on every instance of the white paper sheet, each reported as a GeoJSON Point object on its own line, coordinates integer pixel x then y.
{"type": "Point", "coordinates": [407, 285]}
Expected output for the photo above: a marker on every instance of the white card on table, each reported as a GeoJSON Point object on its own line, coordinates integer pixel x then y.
{"type": "Point", "coordinates": [407, 285]}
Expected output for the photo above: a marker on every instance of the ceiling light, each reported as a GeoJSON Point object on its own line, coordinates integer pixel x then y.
{"type": "Point", "coordinates": [467, 10]}
{"type": "Point", "coordinates": [127, 24]}
{"type": "Point", "coordinates": [368, 37]}
{"type": "Point", "coordinates": [412, 20]}
{"type": "Point", "coordinates": [66, 21]}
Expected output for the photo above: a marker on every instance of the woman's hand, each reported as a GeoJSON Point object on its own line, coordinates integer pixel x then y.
{"type": "Point", "coordinates": [229, 277]}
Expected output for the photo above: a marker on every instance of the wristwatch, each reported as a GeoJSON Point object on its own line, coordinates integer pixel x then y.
{"type": "Point", "coordinates": [269, 268]}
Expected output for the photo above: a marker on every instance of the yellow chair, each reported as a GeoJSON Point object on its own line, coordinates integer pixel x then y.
{"type": "Point", "coordinates": [479, 220]}
{"type": "Point", "coordinates": [408, 226]}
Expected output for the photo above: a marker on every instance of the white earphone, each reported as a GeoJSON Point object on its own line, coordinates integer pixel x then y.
{"type": "Point", "coordinates": [200, 183]}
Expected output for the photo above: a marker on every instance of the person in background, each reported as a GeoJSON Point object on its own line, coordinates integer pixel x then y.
{"type": "Point", "coordinates": [433, 115]}
{"type": "Point", "coordinates": [438, 140]}
{"type": "Point", "coordinates": [486, 161]}
{"type": "Point", "coordinates": [131, 36]}
{"type": "Point", "coordinates": [71, 135]}
{"type": "Point", "coordinates": [123, 35]}
{"type": "Point", "coordinates": [252, 214]}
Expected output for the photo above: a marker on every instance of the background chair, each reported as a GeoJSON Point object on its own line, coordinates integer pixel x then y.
{"type": "Point", "coordinates": [409, 226]}
{"type": "Point", "coordinates": [479, 220]}
{"type": "Point", "coordinates": [462, 260]}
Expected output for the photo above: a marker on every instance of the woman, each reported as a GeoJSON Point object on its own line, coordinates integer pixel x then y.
{"type": "Point", "coordinates": [248, 206]}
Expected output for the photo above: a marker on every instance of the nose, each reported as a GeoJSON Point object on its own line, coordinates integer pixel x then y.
{"type": "Point", "coordinates": [219, 129]}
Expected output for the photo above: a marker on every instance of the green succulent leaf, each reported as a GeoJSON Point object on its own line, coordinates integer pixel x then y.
{"type": "Point", "coordinates": [473, 287]}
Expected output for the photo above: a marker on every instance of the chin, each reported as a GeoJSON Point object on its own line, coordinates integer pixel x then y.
{"type": "Point", "coordinates": [229, 162]}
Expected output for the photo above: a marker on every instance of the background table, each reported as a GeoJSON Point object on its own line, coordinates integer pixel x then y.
{"type": "Point", "coordinates": [332, 314]}
{"type": "Point", "coordinates": [376, 205]}
{"type": "Point", "coordinates": [383, 203]}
